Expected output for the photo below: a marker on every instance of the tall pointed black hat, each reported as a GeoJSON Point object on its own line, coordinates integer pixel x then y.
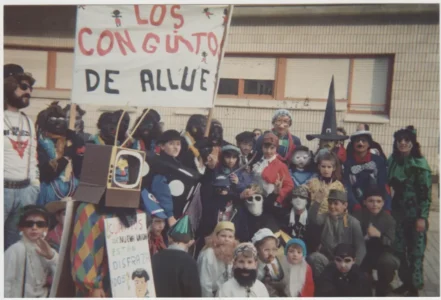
{"type": "Point", "coordinates": [329, 128]}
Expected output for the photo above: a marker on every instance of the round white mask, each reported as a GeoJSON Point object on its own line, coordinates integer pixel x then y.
{"type": "Point", "coordinates": [254, 205]}
{"type": "Point", "coordinates": [301, 158]}
{"type": "Point", "coordinates": [299, 203]}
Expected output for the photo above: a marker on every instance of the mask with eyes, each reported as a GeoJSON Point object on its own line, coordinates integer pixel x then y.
{"type": "Point", "coordinates": [216, 133]}
{"type": "Point", "coordinates": [301, 158]}
{"type": "Point", "coordinates": [108, 123]}
{"type": "Point", "coordinates": [299, 203]}
{"type": "Point", "coordinates": [254, 204]}
{"type": "Point", "coordinates": [196, 126]}
{"type": "Point", "coordinates": [52, 120]}
{"type": "Point", "coordinates": [149, 128]}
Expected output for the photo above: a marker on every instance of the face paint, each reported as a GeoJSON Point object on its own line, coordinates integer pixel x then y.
{"type": "Point", "coordinates": [56, 125]}
{"type": "Point", "coordinates": [404, 144]}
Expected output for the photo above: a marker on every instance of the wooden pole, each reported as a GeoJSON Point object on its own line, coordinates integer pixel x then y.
{"type": "Point", "coordinates": [224, 42]}
{"type": "Point", "coordinates": [72, 116]}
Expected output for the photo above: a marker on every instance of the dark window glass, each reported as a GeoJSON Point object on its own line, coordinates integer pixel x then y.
{"type": "Point", "coordinates": [228, 86]}
{"type": "Point", "coordinates": [259, 87]}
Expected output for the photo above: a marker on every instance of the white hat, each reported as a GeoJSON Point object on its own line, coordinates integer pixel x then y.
{"type": "Point", "coordinates": [261, 234]}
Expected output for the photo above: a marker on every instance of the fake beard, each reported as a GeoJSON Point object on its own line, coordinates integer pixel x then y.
{"type": "Point", "coordinates": [245, 277]}
{"type": "Point", "coordinates": [225, 252]}
{"type": "Point", "coordinates": [19, 102]}
{"type": "Point", "coordinates": [299, 203]}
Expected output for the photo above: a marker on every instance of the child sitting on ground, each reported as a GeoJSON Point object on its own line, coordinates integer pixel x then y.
{"type": "Point", "coordinates": [298, 274]}
{"type": "Point", "coordinates": [31, 260]}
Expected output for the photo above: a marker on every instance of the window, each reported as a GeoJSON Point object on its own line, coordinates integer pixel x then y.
{"type": "Point", "coordinates": [64, 70]}
{"type": "Point", "coordinates": [32, 61]}
{"type": "Point", "coordinates": [247, 77]}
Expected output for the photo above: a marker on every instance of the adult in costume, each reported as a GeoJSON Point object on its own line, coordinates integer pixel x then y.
{"type": "Point", "coordinates": [329, 138]}
{"type": "Point", "coordinates": [375, 148]}
{"type": "Point", "coordinates": [107, 126]}
{"type": "Point", "coordinates": [410, 177]}
{"type": "Point", "coordinates": [174, 270]}
{"type": "Point", "coordinates": [79, 122]}
{"type": "Point", "coordinates": [282, 121]}
{"type": "Point", "coordinates": [60, 155]}
{"type": "Point", "coordinates": [21, 174]}
{"type": "Point", "coordinates": [148, 132]}
{"type": "Point", "coordinates": [363, 169]}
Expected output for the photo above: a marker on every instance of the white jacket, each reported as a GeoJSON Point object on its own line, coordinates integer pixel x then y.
{"type": "Point", "coordinates": [37, 270]}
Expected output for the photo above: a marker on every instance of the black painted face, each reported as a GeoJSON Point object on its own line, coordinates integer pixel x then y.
{"type": "Point", "coordinates": [109, 126]}
{"type": "Point", "coordinates": [198, 128]}
{"type": "Point", "coordinates": [147, 130]}
{"type": "Point", "coordinates": [216, 134]}
{"type": "Point", "coordinates": [56, 125]}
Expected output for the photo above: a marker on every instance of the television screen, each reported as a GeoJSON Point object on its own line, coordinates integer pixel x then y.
{"type": "Point", "coordinates": [127, 169]}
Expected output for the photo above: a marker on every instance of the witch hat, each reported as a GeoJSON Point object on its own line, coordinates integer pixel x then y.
{"type": "Point", "coordinates": [329, 128]}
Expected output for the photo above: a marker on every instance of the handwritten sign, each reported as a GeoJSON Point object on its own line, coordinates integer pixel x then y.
{"type": "Point", "coordinates": [148, 55]}
{"type": "Point", "coordinates": [128, 254]}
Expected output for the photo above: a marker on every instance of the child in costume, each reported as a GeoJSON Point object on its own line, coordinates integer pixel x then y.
{"type": "Point", "coordinates": [30, 261]}
{"type": "Point", "coordinates": [338, 226]}
{"type": "Point", "coordinates": [379, 230]}
{"type": "Point", "coordinates": [302, 169]}
{"type": "Point", "coordinates": [269, 268]}
{"type": "Point", "coordinates": [296, 221]}
{"type": "Point", "coordinates": [174, 270]}
{"type": "Point", "coordinates": [329, 178]}
{"type": "Point", "coordinates": [343, 277]}
{"type": "Point", "coordinates": [215, 261]}
{"type": "Point", "coordinates": [58, 209]}
{"type": "Point", "coordinates": [156, 222]}
{"type": "Point", "coordinates": [298, 274]}
{"type": "Point", "coordinates": [410, 177]}
{"type": "Point", "coordinates": [271, 173]}
{"type": "Point", "coordinates": [229, 164]}
{"type": "Point", "coordinates": [245, 141]}
{"type": "Point", "coordinates": [244, 282]}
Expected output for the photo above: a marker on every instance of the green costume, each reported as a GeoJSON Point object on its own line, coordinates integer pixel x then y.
{"type": "Point", "coordinates": [411, 180]}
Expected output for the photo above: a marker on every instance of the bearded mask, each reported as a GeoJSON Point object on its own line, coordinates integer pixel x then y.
{"type": "Point", "coordinates": [301, 158]}
{"type": "Point", "coordinates": [52, 120]}
{"type": "Point", "coordinates": [254, 204]}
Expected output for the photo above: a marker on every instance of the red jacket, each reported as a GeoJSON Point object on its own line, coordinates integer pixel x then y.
{"type": "Point", "coordinates": [308, 287]}
{"type": "Point", "coordinates": [269, 174]}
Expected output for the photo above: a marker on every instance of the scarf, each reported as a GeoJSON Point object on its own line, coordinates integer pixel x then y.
{"type": "Point", "coordinates": [296, 278]}
{"type": "Point", "coordinates": [302, 220]}
{"type": "Point", "coordinates": [156, 243]}
{"type": "Point", "coordinates": [290, 147]}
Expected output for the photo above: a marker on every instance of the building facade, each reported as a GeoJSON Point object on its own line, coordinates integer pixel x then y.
{"type": "Point", "coordinates": [384, 59]}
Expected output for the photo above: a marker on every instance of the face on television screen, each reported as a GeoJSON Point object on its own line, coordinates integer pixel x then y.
{"type": "Point", "coordinates": [127, 169]}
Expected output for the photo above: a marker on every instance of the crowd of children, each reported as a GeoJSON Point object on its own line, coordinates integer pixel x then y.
{"type": "Point", "coordinates": [265, 217]}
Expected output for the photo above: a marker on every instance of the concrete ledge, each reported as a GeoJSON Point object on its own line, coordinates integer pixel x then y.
{"type": "Point", "coordinates": [366, 118]}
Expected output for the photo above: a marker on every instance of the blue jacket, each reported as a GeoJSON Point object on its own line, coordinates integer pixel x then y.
{"type": "Point", "coordinates": [245, 179]}
{"type": "Point", "coordinates": [358, 177]}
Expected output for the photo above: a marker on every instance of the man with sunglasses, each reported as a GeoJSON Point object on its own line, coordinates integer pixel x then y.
{"type": "Point", "coordinates": [363, 169]}
{"type": "Point", "coordinates": [21, 175]}
{"type": "Point", "coordinates": [343, 277]}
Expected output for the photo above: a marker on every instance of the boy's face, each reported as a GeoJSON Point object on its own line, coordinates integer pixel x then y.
{"type": "Point", "coordinates": [242, 262]}
{"type": "Point", "coordinates": [140, 286]}
{"type": "Point", "coordinates": [158, 225]}
{"type": "Point", "coordinates": [294, 254]}
{"type": "Point", "coordinates": [225, 236]}
{"type": "Point", "coordinates": [230, 161]}
{"type": "Point", "coordinates": [326, 168]}
{"type": "Point", "coordinates": [336, 207]}
{"type": "Point", "coordinates": [34, 227]}
{"type": "Point", "coordinates": [246, 147]}
{"type": "Point", "coordinates": [269, 150]}
{"type": "Point", "coordinates": [267, 250]}
{"type": "Point", "coordinates": [374, 204]}
{"type": "Point", "coordinates": [345, 264]}
{"type": "Point", "coordinates": [172, 148]}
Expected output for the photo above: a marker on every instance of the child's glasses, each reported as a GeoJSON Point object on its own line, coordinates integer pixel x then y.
{"type": "Point", "coordinates": [30, 224]}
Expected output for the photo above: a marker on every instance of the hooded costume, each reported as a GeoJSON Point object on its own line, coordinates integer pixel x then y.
{"type": "Point", "coordinates": [156, 242]}
{"type": "Point", "coordinates": [175, 271]}
{"type": "Point", "coordinates": [147, 133]}
{"type": "Point", "coordinates": [79, 122]}
{"type": "Point", "coordinates": [361, 173]}
{"type": "Point", "coordinates": [60, 155]}
{"type": "Point", "coordinates": [329, 127]}
{"type": "Point", "coordinates": [20, 164]}
{"type": "Point", "coordinates": [298, 278]}
{"type": "Point", "coordinates": [411, 179]}
{"type": "Point", "coordinates": [287, 144]}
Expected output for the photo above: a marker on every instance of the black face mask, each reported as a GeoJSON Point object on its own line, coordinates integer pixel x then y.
{"type": "Point", "coordinates": [19, 102]}
{"type": "Point", "coordinates": [56, 125]}
{"type": "Point", "coordinates": [242, 279]}
{"type": "Point", "coordinates": [147, 131]}
{"type": "Point", "coordinates": [216, 135]}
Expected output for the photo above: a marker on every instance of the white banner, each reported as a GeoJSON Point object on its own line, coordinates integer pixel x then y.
{"type": "Point", "coordinates": [128, 254]}
{"type": "Point", "coordinates": [148, 55]}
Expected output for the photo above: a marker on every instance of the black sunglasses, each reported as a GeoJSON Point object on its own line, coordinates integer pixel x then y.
{"type": "Point", "coordinates": [25, 86]}
{"type": "Point", "coordinates": [30, 224]}
{"type": "Point", "coordinates": [346, 259]}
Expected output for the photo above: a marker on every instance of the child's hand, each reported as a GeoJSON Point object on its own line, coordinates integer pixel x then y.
{"type": "Point", "coordinates": [247, 193]}
{"type": "Point", "coordinates": [372, 231]}
{"type": "Point", "coordinates": [278, 184]}
{"type": "Point", "coordinates": [44, 249]}
{"type": "Point", "coordinates": [320, 195]}
{"type": "Point", "coordinates": [97, 293]}
{"type": "Point", "coordinates": [234, 179]}
{"type": "Point", "coordinates": [171, 221]}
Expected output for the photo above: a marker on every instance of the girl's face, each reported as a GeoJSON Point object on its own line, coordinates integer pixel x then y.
{"type": "Point", "coordinates": [267, 250]}
{"type": "Point", "coordinates": [326, 168]}
{"type": "Point", "coordinates": [158, 226]}
{"type": "Point", "coordinates": [225, 237]}
{"type": "Point", "coordinates": [269, 150]}
{"type": "Point", "coordinates": [230, 160]}
{"type": "Point", "coordinates": [294, 254]}
{"type": "Point", "coordinates": [34, 227]}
